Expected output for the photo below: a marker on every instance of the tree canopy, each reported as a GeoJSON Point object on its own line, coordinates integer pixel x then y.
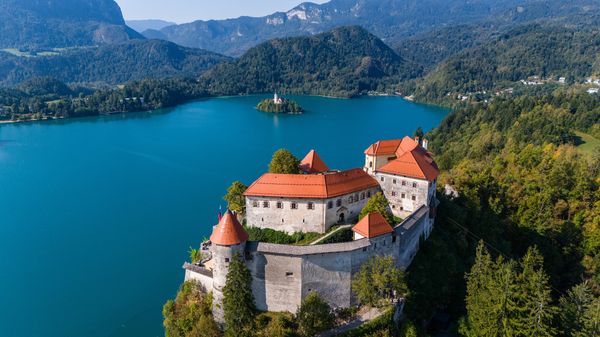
{"type": "Point", "coordinates": [284, 162]}
{"type": "Point", "coordinates": [314, 315]}
{"type": "Point", "coordinates": [378, 204]}
{"type": "Point", "coordinates": [235, 197]}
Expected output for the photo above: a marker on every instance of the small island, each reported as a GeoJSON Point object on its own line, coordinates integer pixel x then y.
{"type": "Point", "coordinates": [279, 105]}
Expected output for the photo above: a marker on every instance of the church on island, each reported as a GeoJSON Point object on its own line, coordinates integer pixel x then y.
{"type": "Point", "coordinates": [315, 201]}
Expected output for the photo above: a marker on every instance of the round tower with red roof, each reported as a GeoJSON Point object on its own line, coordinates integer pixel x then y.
{"type": "Point", "coordinates": [228, 239]}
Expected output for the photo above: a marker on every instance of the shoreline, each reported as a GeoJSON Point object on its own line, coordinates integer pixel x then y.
{"type": "Point", "coordinates": [116, 113]}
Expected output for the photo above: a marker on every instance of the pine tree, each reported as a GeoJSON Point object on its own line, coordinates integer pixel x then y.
{"type": "Point", "coordinates": [478, 300]}
{"type": "Point", "coordinates": [591, 320]}
{"type": "Point", "coordinates": [535, 312]}
{"type": "Point", "coordinates": [573, 307]}
{"type": "Point", "coordinates": [238, 300]}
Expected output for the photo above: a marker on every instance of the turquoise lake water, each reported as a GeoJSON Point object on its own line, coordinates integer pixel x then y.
{"type": "Point", "coordinates": [97, 214]}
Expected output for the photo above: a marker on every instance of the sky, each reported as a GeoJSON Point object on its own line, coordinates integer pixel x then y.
{"type": "Point", "coordinates": [181, 11]}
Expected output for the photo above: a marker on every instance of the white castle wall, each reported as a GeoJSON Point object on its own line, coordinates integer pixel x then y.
{"type": "Point", "coordinates": [303, 219]}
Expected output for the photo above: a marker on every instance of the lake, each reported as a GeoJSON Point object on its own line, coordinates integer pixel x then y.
{"type": "Point", "coordinates": [97, 214]}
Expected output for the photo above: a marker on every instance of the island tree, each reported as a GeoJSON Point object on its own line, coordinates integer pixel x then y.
{"type": "Point", "coordinates": [238, 300]}
{"type": "Point", "coordinates": [284, 162]}
{"type": "Point", "coordinates": [235, 197]}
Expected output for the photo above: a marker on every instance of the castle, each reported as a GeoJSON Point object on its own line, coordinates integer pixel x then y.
{"type": "Point", "coordinates": [403, 170]}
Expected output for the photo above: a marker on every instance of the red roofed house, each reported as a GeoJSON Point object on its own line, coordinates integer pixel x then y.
{"type": "Point", "coordinates": [308, 202]}
{"type": "Point", "coordinates": [406, 173]}
{"type": "Point", "coordinates": [371, 226]}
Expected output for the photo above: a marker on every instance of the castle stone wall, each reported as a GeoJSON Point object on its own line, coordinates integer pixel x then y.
{"type": "Point", "coordinates": [302, 219]}
{"type": "Point", "coordinates": [283, 275]}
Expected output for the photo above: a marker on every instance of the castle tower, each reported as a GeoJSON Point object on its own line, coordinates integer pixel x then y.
{"type": "Point", "coordinates": [228, 238]}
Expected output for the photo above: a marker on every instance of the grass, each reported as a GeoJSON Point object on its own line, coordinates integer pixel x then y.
{"type": "Point", "coordinates": [19, 53]}
{"type": "Point", "coordinates": [589, 143]}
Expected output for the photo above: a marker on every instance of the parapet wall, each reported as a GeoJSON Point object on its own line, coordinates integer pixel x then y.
{"type": "Point", "coordinates": [284, 274]}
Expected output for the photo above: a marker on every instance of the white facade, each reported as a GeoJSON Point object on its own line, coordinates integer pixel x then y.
{"type": "Point", "coordinates": [305, 215]}
{"type": "Point", "coordinates": [405, 194]}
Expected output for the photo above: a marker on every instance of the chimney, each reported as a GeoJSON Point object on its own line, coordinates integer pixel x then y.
{"type": "Point", "coordinates": [417, 140]}
{"type": "Point", "coordinates": [425, 143]}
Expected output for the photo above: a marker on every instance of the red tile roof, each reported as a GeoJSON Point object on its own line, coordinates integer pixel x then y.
{"type": "Point", "coordinates": [372, 225]}
{"type": "Point", "coordinates": [383, 147]}
{"type": "Point", "coordinates": [312, 163]}
{"type": "Point", "coordinates": [412, 161]}
{"type": "Point", "coordinates": [311, 186]}
{"type": "Point", "coordinates": [228, 231]}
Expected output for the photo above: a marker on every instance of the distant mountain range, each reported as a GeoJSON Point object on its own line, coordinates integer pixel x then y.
{"type": "Point", "coordinates": [391, 20]}
{"type": "Point", "coordinates": [37, 24]}
{"type": "Point", "coordinates": [142, 25]}
{"type": "Point", "coordinates": [345, 61]}
{"type": "Point", "coordinates": [110, 64]}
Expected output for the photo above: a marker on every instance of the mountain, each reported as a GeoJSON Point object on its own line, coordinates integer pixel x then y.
{"type": "Point", "coordinates": [343, 62]}
{"type": "Point", "coordinates": [391, 20]}
{"type": "Point", "coordinates": [39, 24]}
{"type": "Point", "coordinates": [142, 25]}
{"type": "Point", "coordinates": [545, 51]}
{"type": "Point", "coordinates": [110, 64]}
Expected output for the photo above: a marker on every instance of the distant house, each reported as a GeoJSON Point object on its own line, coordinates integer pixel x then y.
{"type": "Point", "coordinates": [593, 91]}
{"type": "Point", "coordinates": [562, 80]}
{"type": "Point", "coordinates": [277, 99]}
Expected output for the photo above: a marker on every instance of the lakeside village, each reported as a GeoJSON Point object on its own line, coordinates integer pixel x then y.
{"type": "Point", "coordinates": [401, 173]}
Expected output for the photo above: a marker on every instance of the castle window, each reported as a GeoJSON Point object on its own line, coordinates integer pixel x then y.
{"type": "Point", "coordinates": [403, 182]}
{"type": "Point", "coordinates": [282, 221]}
{"type": "Point", "coordinates": [310, 205]}
{"type": "Point", "coordinates": [371, 164]}
{"type": "Point", "coordinates": [330, 205]}
{"type": "Point", "coordinates": [394, 181]}
{"type": "Point", "coordinates": [289, 274]}
{"type": "Point", "coordinates": [414, 184]}
{"type": "Point", "coordinates": [393, 206]}
{"type": "Point", "coordinates": [364, 249]}
{"type": "Point", "coordinates": [279, 204]}
{"type": "Point", "coordinates": [294, 205]}
{"type": "Point", "coordinates": [369, 194]}
{"type": "Point", "coordinates": [338, 202]}
{"type": "Point", "coordinates": [362, 196]}
{"type": "Point", "coordinates": [393, 238]}
{"type": "Point", "coordinates": [226, 260]}
{"type": "Point", "coordinates": [265, 204]}
{"type": "Point", "coordinates": [255, 204]}
{"type": "Point", "coordinates": [382, 179]}
{"type": "Point", "coordinates": [350, 200]}
{"type": "Point", "coordinates": [403, 196]}
{"type": "Point", "coordinates": [414, 197]}
{"type": "Point", "coordinates": [356, 197]}
{"type": "Point", "coordinates": [393, 193]}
